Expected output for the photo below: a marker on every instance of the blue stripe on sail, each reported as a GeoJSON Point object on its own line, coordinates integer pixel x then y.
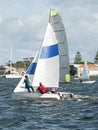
{"type": "Point", "coordinates": [49, 51]}
{"type": "Point", "coordinates": [31, 69]}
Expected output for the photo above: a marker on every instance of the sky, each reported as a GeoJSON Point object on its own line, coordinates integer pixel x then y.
{"type": "Point", "coordinates": [23, 24]}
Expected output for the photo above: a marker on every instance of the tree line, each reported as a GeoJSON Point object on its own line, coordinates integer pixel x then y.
{"type": "Point", "coordinates": [78, 58]}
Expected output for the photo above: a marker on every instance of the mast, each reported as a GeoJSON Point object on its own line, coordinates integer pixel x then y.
{"type": "Point", "coordinates": [10, 61]}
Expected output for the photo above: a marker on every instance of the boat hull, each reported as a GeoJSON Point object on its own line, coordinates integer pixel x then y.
{"type": "Point", "coordinates": [41, 97]}
{"type": "Point", "coordinates": [34, 96]}
{"type": "Point", "coordinates": [89, 82]}
{"type": "Point", "coordinates": [12, 76]}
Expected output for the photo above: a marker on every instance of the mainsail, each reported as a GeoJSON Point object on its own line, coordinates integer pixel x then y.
{"type": "Point", "coordinates": [85, 78]}
{"type": "Point", "coordinates": [59, 30]}
{"type": "Point", "coordinates": [47, 69]}
{"type": "Point", "coordinates": [85, 73]}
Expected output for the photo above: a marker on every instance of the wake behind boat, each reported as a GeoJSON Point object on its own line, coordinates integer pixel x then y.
{"type": "Point", "coordinates": [50, 64]}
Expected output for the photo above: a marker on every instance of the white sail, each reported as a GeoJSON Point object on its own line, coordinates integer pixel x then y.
{"type": "Point", "coordinates": [30, 72]}
{"type": "Point", "coordinates": [60, 32]}
{"type": "Point", "coordinates": [47, 70]}
{"type": "Point", "coordinates": [85, 73]}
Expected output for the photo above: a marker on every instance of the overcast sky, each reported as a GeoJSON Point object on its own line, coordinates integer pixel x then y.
{"type": "Point", "coordinates": [23, 24]}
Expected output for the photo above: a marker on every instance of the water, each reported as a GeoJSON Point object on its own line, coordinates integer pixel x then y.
{"type": "Point", "coordinates": [79, 113]}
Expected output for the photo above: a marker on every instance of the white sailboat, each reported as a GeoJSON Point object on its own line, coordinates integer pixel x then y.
{"type": "Point", "coordinates": [47, 63]}
{"type": "Point", "coordinates": [85, 78]}
{"type": "Point", "coordinates": [12, 72]}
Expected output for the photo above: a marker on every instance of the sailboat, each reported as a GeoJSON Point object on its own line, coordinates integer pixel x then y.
{"type": "Point", "coordinates": [49, 65]}
{"type": "Point", "coordinates": [85, 78]}
{"type": "Point", "coordinates": [12, 73]}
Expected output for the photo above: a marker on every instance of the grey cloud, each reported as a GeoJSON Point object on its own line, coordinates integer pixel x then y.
{"type": "Point", "coordinates": [24, 27]}
{"type": "Point", "coordinates": [20, 34]}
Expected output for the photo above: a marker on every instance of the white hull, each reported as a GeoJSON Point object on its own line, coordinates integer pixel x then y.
{"type": "Point", "coordinates": [13, 76]}
{"type": "Point", "coordinates": [39, 97]}
{"type": "Point", "coordinates": [35, 96]}
{"type": "Point", "coordinates": [88, 82]}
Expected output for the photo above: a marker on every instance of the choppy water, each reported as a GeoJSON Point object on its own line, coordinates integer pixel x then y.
{"type": "Point", "coordinates": [80, 113]}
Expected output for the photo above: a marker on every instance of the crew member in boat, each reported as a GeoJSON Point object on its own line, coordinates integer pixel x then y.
{"type": "Point", "coordinates": [27, 84]}
{"type": "Point", "coordinates": [42, 89]}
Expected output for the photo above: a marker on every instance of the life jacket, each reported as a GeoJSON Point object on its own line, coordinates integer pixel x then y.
{"type": "Point", "coordinates": [42, 89]}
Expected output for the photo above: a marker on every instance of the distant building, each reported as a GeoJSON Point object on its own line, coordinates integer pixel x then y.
{"type": "Point", "coordinates": [6, 70]}
{"type": "Point", "coordinates": [93, 69]}
{"type": "Point", "coordinates": [20, 69]}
